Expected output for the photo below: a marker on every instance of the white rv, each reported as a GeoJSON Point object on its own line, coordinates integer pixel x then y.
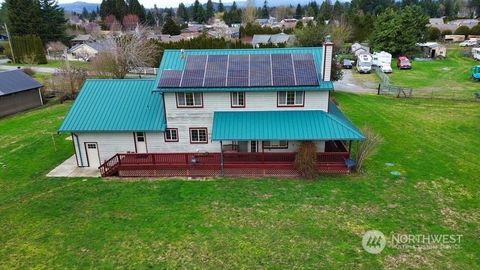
{"type": "Point", "coordinates": [381, 58]}
{"type": "Point", "coordinates": [476, 53]}
{"type": "Point", "coordinates": [364, 63]}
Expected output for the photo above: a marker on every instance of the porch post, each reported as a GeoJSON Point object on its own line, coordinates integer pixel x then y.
{"type": "Point", "coordinates": [221, 158]}
{"type": "Point", "coordinates": [349, 148]}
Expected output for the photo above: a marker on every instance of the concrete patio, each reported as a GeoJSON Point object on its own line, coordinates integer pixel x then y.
{"type": "Point", "coordinates": [69, 168]}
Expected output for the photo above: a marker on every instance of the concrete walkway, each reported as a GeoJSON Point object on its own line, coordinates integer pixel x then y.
{"type": "Point", "coordinates": [69, 168]}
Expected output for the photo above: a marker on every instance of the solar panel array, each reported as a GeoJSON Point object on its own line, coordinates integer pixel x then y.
{"type": "Point", "coordinates": [243, 71]}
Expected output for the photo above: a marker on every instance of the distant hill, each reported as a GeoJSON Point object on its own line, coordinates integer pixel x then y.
{"type": "Point", "coordinates": [78, 6]}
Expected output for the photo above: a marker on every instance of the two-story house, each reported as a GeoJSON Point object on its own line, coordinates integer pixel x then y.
{"type": "Point", "coordinates": [214, 112]}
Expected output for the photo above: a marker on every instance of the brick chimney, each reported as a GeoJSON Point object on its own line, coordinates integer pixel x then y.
{"type": "Point", "coordinates": [327, 59]}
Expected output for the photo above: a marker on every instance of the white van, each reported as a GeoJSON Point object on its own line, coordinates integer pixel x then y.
{"type": "Point", "coordinates": [364, 63]}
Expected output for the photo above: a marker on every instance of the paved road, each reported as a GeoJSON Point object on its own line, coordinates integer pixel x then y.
{"type": "Point", "coordinates": [350, 84]}
{"type": "Point", "coordinates": [37, 69]}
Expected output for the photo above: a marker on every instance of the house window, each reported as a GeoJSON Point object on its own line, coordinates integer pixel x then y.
{"type": "Point", "coordinates": [198, 135]}
{"type": "Point", "coordinates": [91, 145]}
{"type": "Point", "coordinates": [275, 144]}
{"type": "Point", "coordinates": [140, 136]}
{"type": "Point", "coordinates": [290, 98]}
{"type": "Point", "coordinates": [238, 99]}
{"type": "Point", "coordinates": [171, 135]}
{"type": "Point", "coordinates": [189, 100]}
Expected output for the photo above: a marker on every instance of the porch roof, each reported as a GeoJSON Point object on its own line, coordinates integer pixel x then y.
{"type": "Point", "coordinates": [283, 125]}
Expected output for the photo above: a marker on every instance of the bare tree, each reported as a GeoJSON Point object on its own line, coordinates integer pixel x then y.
{"type": "Point", "coordinates": [367, 147]}
{"type": "Point", "coordinates": [340, 32]}
{"type": "Point", "coordinates": [250, 12]}
{"type": "Point", "coordinates": [67, 81]}
{"type": "Point", "coordinates": [131, 51]}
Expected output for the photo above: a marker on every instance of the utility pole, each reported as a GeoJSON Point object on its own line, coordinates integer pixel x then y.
{"type": "Point", "coordinates": [10, 42]}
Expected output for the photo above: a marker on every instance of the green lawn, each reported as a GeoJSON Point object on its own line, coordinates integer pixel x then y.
{"type": "Point", "coordinates": [448, 78]}
{"type": "Point", "coordinates": [264, 223]}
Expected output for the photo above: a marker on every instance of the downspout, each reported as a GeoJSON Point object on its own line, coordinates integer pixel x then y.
{"type": "Point", "coordinates": [221, 159]}
{"type": "Point", "coordinates": [79, 149]}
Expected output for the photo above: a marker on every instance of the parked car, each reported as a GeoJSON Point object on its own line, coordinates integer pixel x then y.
{"type": "Point", "coordinates": [347, 64]}
{"type": "Point", "coordinates": [468, 43]}
{"type": "Point", "coordinates": [403, 63]}
{"type": "Point", "coordinates": [475, 73]}
{"type": "Point", "coordinates": [386, 68]}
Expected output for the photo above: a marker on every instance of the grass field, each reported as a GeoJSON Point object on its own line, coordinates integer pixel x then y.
{"type": "Point", "coordinates": [266, 223]}
{"type": "Point", "coordinates": [447, 78]}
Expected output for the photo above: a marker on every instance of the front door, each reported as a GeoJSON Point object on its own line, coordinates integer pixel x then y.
{"type": "Point", "coordinates": [92, 155]}
{"type": "Point", "coordinates": [140, 142]}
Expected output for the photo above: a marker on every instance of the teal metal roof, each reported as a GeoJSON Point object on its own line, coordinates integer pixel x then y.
{"type": "Point", "coordinates": [116, 106]}
{"type": "Point", "coordinates": [172, 60]}
{"type": "Point", "coordinates": [282, 125]}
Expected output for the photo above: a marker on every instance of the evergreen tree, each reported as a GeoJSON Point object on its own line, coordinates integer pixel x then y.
{"type": "Point", "coordinates": [265, 13]}
{"type": "Point", "coordinates": [23, 17]}
{"type": "Point", "coordinates": [325, 11]}
{"type": "Point", "coordinates": [198, 13]}
{"type": "Point", "coordinates": [54, 20]}
{"type": "Point", "coordinates": [337, 10]}
{"type": "Point", "coordinates": [182, 13]}
{"type": "Point", "coordinates": [170, 27]}
{"type": "Point", "coordinates": [120, 9]}
{"type": "Point", "coordinates": [210, 11]}
{"type": "Point", "coordinates": [93, 16]}
{"type": "Point", "coordinates": [85, 14]}
{"type": "Point", "coordinates": [298, 12]}
{"type": "Point", "coordinates": [221, 8]}
{"type": "Point", "coordinates": [135, 8]}
{"type": "Point", "coordinates": [28, 49]}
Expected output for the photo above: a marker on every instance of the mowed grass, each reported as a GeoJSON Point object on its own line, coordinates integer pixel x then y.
{"type": "Point", "coordinates": [447, 78]}
{"type": "Point", "coordinates": [250, 223]}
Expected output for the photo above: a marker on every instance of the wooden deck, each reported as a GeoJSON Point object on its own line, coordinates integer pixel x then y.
{"type": "Point", "coordinates": [209, 164]}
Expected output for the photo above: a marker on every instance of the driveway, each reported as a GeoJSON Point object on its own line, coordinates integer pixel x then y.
{"type": "Point", "coordinates": [36, 69]}
{"type": "Point", "coordinates": [354, 82]}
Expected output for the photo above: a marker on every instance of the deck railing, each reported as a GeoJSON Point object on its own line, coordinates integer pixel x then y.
{"type": "Point", "coordinates": [210, 161]}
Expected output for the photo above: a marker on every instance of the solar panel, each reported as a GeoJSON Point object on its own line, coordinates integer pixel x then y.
{"type": "Point", "coordinates": [243, 71]}
{"type": "Point", "coordinates": [260, 70]}
{"type": "Point", "coordinates": [170, 78]}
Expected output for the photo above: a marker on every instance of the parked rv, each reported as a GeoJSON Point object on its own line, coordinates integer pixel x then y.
{"type": "Point", "coordinates": [476, 53]}
{"type": "Point", "coordinates": [403, 63]}
{"type": "Point", "coordinates": [386, 68]}
{"type": "Point", "coordinates": [380, 58]}
{"type": "Point", "coordinates": [364, 63]}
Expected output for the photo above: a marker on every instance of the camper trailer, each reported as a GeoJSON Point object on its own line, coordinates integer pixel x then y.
{"type": "Point", "coordinates": [476, 53]}
{"type": "Point", "coordinates": [381, 58]}
{"type": "Point", "coordinates": [364, 63]}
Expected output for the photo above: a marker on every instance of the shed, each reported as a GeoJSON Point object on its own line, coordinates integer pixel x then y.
{"type": "Point", "coordinates": [433, 49]}
{"type": "Point", "coordinates": [18, 92]}
{"type": "Point", "coordinates": [454, 38]}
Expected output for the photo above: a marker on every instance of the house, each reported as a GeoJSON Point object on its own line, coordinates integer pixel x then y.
{"type": "Point", "coordinates": [81, 39]}
{"type": "Point", "coordinates": [454, 38]}
{"type": "Point", "coordinates": [433, 49]}
{"type": "Point", "coordinates": [214, 112]}
{"type": "Point", "coordinates": [451, 25]}
{"type": "Point", "coordinates": [275, 39]}
{"type": "Point", "coordinates": [18, 92]}
{"type": "Point", "coordinates": [87, 51]}
{"type": "Point", "coordinates": [358, 49]}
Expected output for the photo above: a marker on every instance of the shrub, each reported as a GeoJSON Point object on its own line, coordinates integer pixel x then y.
{"type": "Point", "coordinates": [446, 32]}
{"type": "Point", "coordinates": [367, 147]}
{"type": "Point", "coordinates": [306, 160]}
{"type": "Point", "coordinates": [434, 33]}
{"type": "Point", "coordinates": [475, 30]}
{"type": "Point", "coordinates": [462, 30]}
{"type": "Point", "coordinates": [30, 72]}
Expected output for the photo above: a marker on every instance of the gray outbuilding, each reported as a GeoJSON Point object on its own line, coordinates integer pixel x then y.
{"type": "Point", "coordinates": [18, 92]}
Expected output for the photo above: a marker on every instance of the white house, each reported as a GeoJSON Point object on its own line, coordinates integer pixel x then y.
{"type": "Point", "coordinates": [87, 51]}
{"type": "Point", "coordinates": [213, 112]}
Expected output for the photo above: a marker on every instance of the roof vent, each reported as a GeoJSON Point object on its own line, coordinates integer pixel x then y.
{"type": "Point", "coordinates": [182, 53]}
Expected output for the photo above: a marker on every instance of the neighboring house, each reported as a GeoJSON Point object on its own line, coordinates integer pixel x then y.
{"type": "Point", "coordinates": [87, 51]}
{"type": "Point", "coordinates": [214, 112]}
{"type": "Point", "coordinates": [276, 39]}
{"type": "Point", "coordinates": [358, 49]}
{"type": "Point", "coordinates": [18, 92]}
{"type": "Point", "coordinates": [433, 49]}
{"type": "Point", "coordinates": [81, 39]}
{"type": "Point", "coordinates": [451, 25]}
{"type": "Point", "coordinates": [454, 38]}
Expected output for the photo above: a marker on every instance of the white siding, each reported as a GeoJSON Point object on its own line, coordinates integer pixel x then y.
{"type": "Point", "coordinates": [185, 118]}
{"type": "Point", "coordinates": [109, 144]}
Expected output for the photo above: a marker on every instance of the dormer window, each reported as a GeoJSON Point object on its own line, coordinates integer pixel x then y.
{"type": "Point", "coordinates": [189, 100]}
{"type": "Point", "coordinates": [290, 99]}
